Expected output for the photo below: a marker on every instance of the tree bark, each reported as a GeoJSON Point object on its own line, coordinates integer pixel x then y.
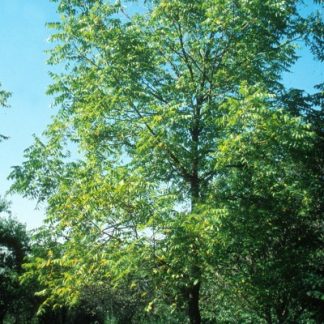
{"type": "Point", "coordinates": [193, 304]}
{"type": "Point", "coordinates": [194, 290]}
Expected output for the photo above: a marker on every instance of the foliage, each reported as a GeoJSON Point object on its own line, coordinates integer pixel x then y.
{"type": "Point", "coordinates": [4, 95]}
{"type": "Point", "coordinates": [188, 174]}
{"type": "Point", "coordinates": [16, 301]}
{"type": "Point", "coordinates": [273, 230]}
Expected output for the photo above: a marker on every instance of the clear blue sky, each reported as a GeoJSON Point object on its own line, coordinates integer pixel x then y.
{"type": "Point", "coordinates": [23, 71]}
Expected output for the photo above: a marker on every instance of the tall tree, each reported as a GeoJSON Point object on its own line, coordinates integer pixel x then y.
{"type": "Point", "coordinates": [175, 112]}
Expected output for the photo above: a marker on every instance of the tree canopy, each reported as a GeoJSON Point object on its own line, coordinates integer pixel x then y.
{"type": "Point", "coordinates": [178, 167]}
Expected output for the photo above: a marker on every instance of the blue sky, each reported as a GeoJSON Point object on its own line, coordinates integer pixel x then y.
{"type": "Point", "coordinates": [24, 72]}
{"type": "Point", "coordinates": [23, 38]}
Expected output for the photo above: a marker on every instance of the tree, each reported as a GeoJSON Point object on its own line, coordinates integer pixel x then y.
{"type": "Point", "coordinates": [16, 300]}
{"type": "Point", "coordinates": [175, 112]}
{"type": "Point", "coordinates": [45, 246]}
{"type": "Point", "coordinates": [273, 230]}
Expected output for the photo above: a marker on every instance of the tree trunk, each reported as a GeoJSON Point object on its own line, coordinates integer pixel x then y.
{"type": "Point", "coordinates": [193, 304]}
{"type": "Point", "coordinates": [194, 290]}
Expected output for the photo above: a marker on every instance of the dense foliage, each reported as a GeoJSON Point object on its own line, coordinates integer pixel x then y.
{"type": "Point", "coordinates": [15, 300]}
{"type": "Point", "coordinates": [180, 175]}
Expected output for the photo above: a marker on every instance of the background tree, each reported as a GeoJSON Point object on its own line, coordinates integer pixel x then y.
{"type": "Point", "coordinates": [17, 302]}
{"type": "Point", "coordinates": [274, 213]}
{"type": "Point", "coordinates": [186, 149]}
{"type": "Point", "coordinates": [99, 301]}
